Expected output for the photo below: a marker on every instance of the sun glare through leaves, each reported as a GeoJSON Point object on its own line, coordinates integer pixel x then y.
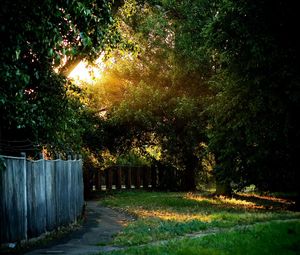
{"type": "Point", "coordinates": [85, 72]}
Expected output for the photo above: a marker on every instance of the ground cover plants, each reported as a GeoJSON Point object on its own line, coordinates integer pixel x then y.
{"type": "Point", "coordinates": [187, 223]}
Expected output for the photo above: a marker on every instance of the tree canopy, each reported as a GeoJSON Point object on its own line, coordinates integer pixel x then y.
{"type": "Point", "coordinates": [254, 134]}
{"type": "Point", "coordinates": [146, 99]}
{"type": "Point", "coordinates": [201, 79]}
{"type": "Point", "coordinates": [41, 41]}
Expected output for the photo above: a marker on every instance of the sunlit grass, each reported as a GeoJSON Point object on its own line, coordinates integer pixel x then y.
{"type": "Point", "coordinates": [225, 202]}
{"type": "Point", "coordinates": [171, 215]}
{"type": "Point", "coordinates": [163, 216]}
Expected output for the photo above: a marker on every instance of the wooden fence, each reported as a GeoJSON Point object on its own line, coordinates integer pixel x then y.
{"type": "Point", "coordinates": [124, 177]}
{"type": "Point", "coordinates": [38, 196]}
{"type": "Point", "coordinates": [129, 177]}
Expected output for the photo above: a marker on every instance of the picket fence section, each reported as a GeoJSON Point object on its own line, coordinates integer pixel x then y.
{"type": "Point", "coordinates": [38, 196]}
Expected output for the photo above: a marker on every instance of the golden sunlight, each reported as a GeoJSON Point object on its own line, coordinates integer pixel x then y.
{"type": "Point", "coordinates": [84, 72]}
{"type": "Point", "coordinates": [166, 214]}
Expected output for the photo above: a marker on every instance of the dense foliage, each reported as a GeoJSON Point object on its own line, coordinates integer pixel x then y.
{"type": "Point", "coordinates": [147, 104]}
{"type": "Point", "coordinates": [222, 75]}
{"type": "Point", "coordinates": [41, 41]}
{"type": "Point", "coordinates": [254, 134]}
{"type": "Point", "coordinates": [234, 61]}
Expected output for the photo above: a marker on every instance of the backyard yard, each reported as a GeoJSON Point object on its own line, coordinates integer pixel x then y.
{"type": "Point", "coordinates": [196, 223]}
{"type": "Point", "coordinates": [108, 106]}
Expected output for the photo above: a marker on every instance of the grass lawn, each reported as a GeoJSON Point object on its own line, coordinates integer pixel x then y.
{"type": "Point", "coordinates": [169, 216]}
{"type": "Point", "coordinates": [270, 238]}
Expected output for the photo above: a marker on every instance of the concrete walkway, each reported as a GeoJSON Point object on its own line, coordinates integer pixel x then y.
{"type": "Point", "coordinates": [101, 225]}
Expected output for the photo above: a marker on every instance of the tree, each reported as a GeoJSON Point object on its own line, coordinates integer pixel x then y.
{"type": "Point", "coordinates": [248, 53]}
{"type": "Point", "coordinates": [254, 133]}
{"type": "Point", "coordinates": [151, 100]}
{"type": "Point", "coordinates": [40, 43]}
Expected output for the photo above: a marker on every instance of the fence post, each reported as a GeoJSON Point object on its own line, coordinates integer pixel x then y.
{"type": "Point", "coordinates": [97, 180]}
{"type": "Point", "coordinates": [81, 183]}
{"type": "Point", "coordinates": [138, 177]}
{"type": "Point", "coordinates": [128, 177]}
{"type": "Point", "coordinates": [42, 157]}
{"type": "Point", "coordinates": [153, 177]}
{"type": "Point", "coordinates": [145, 175]}
{"type": "Point", "coordinates": [118, 177]}
{"type": "Point", "coordinates": [23, 154]}
{"type": "Point", "coordinates": [108, 178]}
{"type": "Point", "coordinates": [69, 187]}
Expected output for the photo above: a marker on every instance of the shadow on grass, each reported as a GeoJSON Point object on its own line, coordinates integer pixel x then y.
{"type": "Point", "coordinates": [268, 202]}
{"type": "Point", "coordinates": [197, 202]}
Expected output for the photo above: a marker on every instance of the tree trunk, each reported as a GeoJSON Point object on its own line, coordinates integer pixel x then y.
{"type": "Point", "coordinates": [223, 188]}
{"type": "Point", "coordinates": [189, 183]}
{"type": "Point", "coordinates": [297, 204]}
{"type": "Point", "coordinates": [189, 176]}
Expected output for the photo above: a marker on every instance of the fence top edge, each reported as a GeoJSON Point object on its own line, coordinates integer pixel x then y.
{"type": "Point", "coordinates": [30, 160]}
{"type": "Point", "coordinates": [54, 160]}
{"type": "Point", "coordinates": [12, 157]}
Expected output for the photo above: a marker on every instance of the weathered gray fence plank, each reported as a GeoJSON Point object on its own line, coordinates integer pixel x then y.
{"type": "Point", "coordinates": [12, 212]}
{"type": "Point", "coordinates": [37, 196]}
{"type": "Point", "coordinates": [50, 195]}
